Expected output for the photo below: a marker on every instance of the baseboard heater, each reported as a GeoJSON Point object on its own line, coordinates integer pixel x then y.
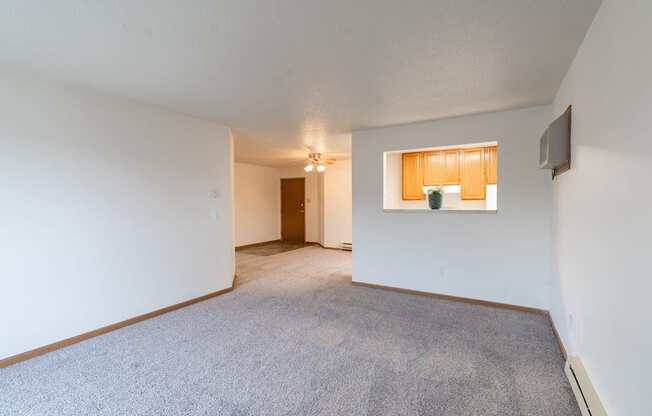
{"type": "Point", "coordinates": [587, 398]}
{"type": "Point", "coordinates": [347, 246]}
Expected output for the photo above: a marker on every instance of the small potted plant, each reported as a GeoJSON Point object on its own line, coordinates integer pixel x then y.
{"type": "Point", "coordinates": [435, 196]}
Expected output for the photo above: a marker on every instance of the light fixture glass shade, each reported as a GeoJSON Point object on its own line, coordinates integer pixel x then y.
{"type": "Point", "coordinates": [321, 167]}
{"type": "Point", "coordinates": [308, 168]}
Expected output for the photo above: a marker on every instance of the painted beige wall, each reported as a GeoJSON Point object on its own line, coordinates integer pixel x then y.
{"type": "Point", "coordinates": [257, 204]}
{"type": "Point", "coordinates": [328, 203]}
{"type": "Point", "coordinates": [337, 204]}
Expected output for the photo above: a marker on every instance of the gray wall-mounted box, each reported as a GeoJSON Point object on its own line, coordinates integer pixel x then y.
{"type": "Point", "coordinates": [555, 143]}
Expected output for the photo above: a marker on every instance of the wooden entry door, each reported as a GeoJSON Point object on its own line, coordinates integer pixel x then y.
{"type": "Point", "coordinates": [293, 210]}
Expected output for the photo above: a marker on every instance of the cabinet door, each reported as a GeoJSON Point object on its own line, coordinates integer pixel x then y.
{"type": "Point", "coordinates": [491, 164]}
{"type": "Point", "coordinates": [472, 174]}
{"type": "Point", "coordinates": [433, 168]}
{"type": "Point", "coordinates": [451, 167]}
{"type": "Point", "coordinates": [412, 176]}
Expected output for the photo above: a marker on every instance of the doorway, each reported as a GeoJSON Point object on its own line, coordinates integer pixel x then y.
{"type": "Point", "coordinates": [293, 210]}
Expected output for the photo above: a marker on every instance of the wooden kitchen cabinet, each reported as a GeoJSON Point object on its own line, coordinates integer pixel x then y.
{"type": "Point", "coordinates": [472, 174]}
{"type": "Point", "coordinates": [471, 168]}
{"type": "Point", "coordinates": [433, 168]}
{"type": "Point", "coordinates": [441, 168]}
{"type": "Point", "coordinates": [451, 160]}
{"type": "Point", "coordinates": [413, 176]}
{"type": "Point", "coordinates": [491, 164]}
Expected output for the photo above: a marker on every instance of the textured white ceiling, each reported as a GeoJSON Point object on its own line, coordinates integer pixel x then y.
{"type": "Point", "coordinates": [285, 74]}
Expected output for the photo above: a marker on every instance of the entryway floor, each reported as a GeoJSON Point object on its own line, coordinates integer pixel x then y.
{"type": "Point", "coordinates": [273, 248]}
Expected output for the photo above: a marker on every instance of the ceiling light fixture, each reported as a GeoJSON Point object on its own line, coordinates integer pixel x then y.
{"type": "Point", "coordinates": [316, 162]}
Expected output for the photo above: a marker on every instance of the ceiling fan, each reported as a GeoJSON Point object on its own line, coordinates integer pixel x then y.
{"type": "Point", "coordinates": [316, 161]}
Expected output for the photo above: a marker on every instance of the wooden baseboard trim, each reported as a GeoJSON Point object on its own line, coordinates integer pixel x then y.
{"type": "Point", "coordinates": [264, 243]}
{"type": "Point", "coordinates": [101, 331]}
{"type": "Point", "coordinates": [562, 349]}
{"type": "Point", "coordinates": [490, 304]}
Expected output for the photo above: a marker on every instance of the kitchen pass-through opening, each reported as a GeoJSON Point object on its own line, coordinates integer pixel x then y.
{"type": "Point", "coordinates": [444, 178]}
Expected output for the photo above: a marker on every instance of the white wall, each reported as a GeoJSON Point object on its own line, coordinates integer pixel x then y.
{"type": "Point", "coordinates": [107, 211]}
{"type": "Point", "coordinates": [257, 194]}
{"type": "Point", "coordinates": [337, 199]}
{"type": "Point", "coordinates": [602, 215]}
{"type": "Point", "coordinates": [502, 257]}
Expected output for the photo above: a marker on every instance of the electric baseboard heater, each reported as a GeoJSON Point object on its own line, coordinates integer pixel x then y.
{"type": "Point", "coordinates": [587, 397]}
{"type": "Point", "coordinates": [555, 145]}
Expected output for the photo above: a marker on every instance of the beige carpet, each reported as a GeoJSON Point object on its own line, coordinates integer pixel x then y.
{"type": "Point", "coordinates": [295, 338]}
